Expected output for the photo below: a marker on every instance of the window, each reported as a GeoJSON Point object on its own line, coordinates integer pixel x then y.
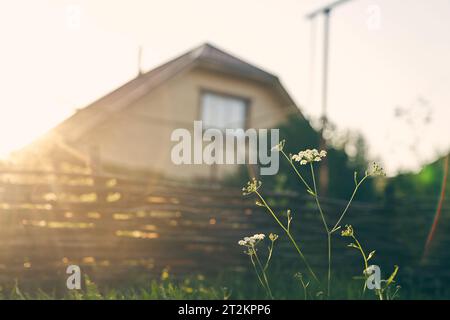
{"type": "Point", "coordinates": [222, 112]}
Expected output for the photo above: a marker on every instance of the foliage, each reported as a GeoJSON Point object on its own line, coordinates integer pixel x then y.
{"type": "Point", "coordinates": [308, 158]}
{"type": "Point", "coordinates": [383, 287]}
{"type": "Point", "coordinates": [299, 133]}
{"type": "Point", "coordinates": [189, 289]}
{"type": "Point", "coordinates": [424, 184]}
{"type": "Point", "coordinates": [237, 286]}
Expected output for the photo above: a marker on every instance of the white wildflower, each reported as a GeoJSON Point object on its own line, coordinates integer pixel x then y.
{"type": "Point", "coordinates": [260, 236]}
{"type": "Point", "coordinates": [309, 155]}
{"type": "Point", "coordinates": [376, 170]}
{"type": "Point", "coordinates": [279, 146]}
{"type": "Point", "coordinates": [273, 237]}
{"type": "Point", "coordinates": [252, 241]}
{"type": "Point", "coordinates": [348, 231]}
{"type": "Point", "coordinates": [251, 187]}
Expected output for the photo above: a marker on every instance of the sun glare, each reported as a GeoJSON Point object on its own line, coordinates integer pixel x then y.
{"type": "Point", "coordinates": [21, 126]}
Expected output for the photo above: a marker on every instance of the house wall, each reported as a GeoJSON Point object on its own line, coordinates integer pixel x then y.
{"type": "Point", "coordinates": [139, 136]}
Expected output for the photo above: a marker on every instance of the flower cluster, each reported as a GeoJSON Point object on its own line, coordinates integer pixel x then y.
{"type": "Point", "coordinates": [309, 155]}
{"type": "Point", "coordinates": [273, 237]}
{"type": "Point", "coordinates": [298, 275]}
{"type": "Point", "coordinates": [279, 146]}
{"type": "Point", "coordinates": [251, 187]}
{"type": "Point", "coordinates": [348, 231]}
{"type": "Point", "coordinates": [251, 241]}
{"type": "Point", "coordinates": [376, 170]}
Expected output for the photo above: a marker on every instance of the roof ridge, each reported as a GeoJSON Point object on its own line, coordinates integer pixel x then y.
{"type": "Point", "coordinates": [235, 57]}
{"type": "Point", "coordinates": [205, 55]}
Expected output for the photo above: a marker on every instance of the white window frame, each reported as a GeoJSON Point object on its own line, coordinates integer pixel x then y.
{"type": "Point", "coordinates": [222, 112]}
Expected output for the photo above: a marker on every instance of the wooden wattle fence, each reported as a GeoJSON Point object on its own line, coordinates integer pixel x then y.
{"type": "Point", "coordinates": [116, 227]}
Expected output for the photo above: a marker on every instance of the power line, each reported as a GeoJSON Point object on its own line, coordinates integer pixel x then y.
{"type": "Point", "coordinates": [326, 12]}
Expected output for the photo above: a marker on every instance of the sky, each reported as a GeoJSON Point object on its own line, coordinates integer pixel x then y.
{"type": "Point", "coordinates": [389, 72]}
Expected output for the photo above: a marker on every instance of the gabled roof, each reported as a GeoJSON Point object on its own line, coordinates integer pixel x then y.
{"type": "Point", "coordinates": [205, 55]}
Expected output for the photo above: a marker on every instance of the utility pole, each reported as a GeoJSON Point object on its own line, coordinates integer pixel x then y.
{"type": "Point", "coordinates": [326, 12]}
{"type": "Point", "coordinates": [140, 61]}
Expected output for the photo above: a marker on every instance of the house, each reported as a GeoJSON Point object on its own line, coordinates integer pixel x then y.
{"type": "Point", "coordinates": [131, 127]}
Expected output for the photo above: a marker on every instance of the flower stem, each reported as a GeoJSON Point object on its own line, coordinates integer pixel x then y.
{"type": "Point", "coordinates": [366, 264]}
{"type": "Point", "coordinates": [329, 265]}
{"type": "Point", "coordinates": [305, 288]}
{"type": "Point", "coordinates": [257, 273]}
{"type": "Point", "coordinates": [263, 273]}
{"type": "Point", "coordinates": [289, 236]}
{"type": "Point", "coordinates": [336, 226]}
{"type": "Point", "coordinates": [296, 171]}
{"type": "Point", "coordinates": [316, 197]}
{"type": "Point", "coordinates": [317, 200]}
{"type": "Point", "coordinates": [314, 193]}
{"type": "Point", "coordinates": [269, 256]}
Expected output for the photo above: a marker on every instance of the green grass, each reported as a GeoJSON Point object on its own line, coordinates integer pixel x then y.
{"type": "Point", "coordinates": [154, 290]}
{"type": "Point", "coordinates": [225, 286]}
